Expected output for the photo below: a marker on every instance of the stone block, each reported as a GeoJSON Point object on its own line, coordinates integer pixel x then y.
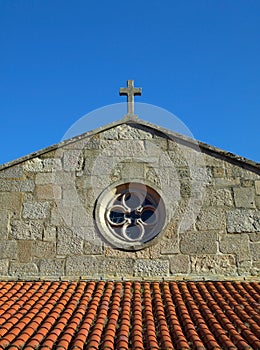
{"type": "Point", "coordinates": [68, 242]}
{"type": "Point", "coordinates": [4, 219]}
{"type": "Point", "coordinates": [33, 165]}
{"type": "Point", "coordinates": [257, 202]}
{"type": "Point", "coordinates": [255, 251]}
{"type": "Point", "coordinates": [169, 246]}
{"type": "Point", "coordinates": [4, 265]}
{"type": "Point", "coordinates": [113, 267]}
{"type": "Point", "coordinates": [244, 268]}
{"type": "Point", "coordinates": [179, 264]}
{"type": "Point", "coordinates": [244, 197]}
{"type": "Point", "coordinates": [49, 234]}
{"type": "Point", "coordinates": [124, 148]}
{"type": "Point", "coordinates": [237, 245]}
{"type": "Point", "coordinates": [44, 249]}
{"type": "Point", "coordinates": [44, 178]}
{"type": "Point", "coordinates": [51, 164]}
{"type": "Point", "coordinates": [151, 268]}
{"type": "Point", "coordinates": [133, 170]}
{"type": "Point", "coordinates": [14, 172]}
{"type": "Point", "coordinates": [219, 172]}
{"type": "Point", "coordinates": [211, 218]}
{"type": "Point", "coordinates": [8, 249]}
{"type": "Point", "coordinates": [36, 210]}
{"type": "Point", "coordinates": [218, 197]}
{"type": "Point", "coordinates": [52, 267]}
{"type": "Point", "coordinates": [24, 251]}
{"type": "Point", "coordinates": [198, 242]}
{"type": "Point", "coordinates": [10, 200]}
{"type": "Point", "coordinates": [23, 186]}
{"type": "Point", "coordinates": [37, 165]}
{"type": "Point", "coordinates": [257, 186]}
{"type": "Point", "coordinates": [254, 237]}
{"type": "Point", "coordinates": [73, 160]}
{"type": "Point", "coordinates": [243, 220]}
{"type": "Point", "coordinates": [227, 182]}
{"type": "Point", "coordinates": [90, 248]}
{"type": "Point", "coordinates": [214, 265]}
{"type": "Point", "coordinates": [26, 229]}
{"type": "Point", "coordinates": [83, 266]}
{"type": "Point", "coordinates": [22, 270]}
{"type": "Point", "coordinates": [47, 192]}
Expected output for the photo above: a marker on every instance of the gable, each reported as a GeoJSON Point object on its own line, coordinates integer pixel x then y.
{"type": "Point", "coordinates": [49, 201]}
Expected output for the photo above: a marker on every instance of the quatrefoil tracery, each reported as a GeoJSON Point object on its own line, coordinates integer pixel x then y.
{"type": "Point", "coordinates": [131, 214]}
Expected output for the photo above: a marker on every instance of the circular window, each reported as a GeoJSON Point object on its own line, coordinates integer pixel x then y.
{"type": "Point", "coordinates": [130, 215]}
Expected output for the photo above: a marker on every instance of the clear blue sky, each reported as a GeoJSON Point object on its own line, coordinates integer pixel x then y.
{"type": "Point", "coordinates": [61, 59]}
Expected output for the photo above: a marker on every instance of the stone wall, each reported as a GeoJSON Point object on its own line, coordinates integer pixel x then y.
{"type": "Point", "coordinates": [47, 204]}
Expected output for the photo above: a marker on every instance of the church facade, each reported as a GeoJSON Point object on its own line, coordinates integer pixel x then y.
{"type": "Point", "coordinates": [130, 200]}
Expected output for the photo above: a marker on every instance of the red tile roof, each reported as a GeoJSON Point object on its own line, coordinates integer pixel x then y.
{"type": "Point", "coordinates": [129, 315]}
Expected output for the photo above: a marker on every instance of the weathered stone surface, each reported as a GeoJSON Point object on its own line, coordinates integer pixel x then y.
{"type": "Point", "coordinates": [133, 170]}
{"type": "Point", "coordinates": [24, 251]}
{"type": "Point", "coordinates": [44, 178]}
{"type": "Point", "coordinates": [14, 172]}
{"type": "Point", "coordinates": [257, 202]}
{"type": "Point", "coordinates": [116, 267]}
{"type": "Point", "coordinates": [10, 200]}
{"type": "Point", "coordinates": [244, 268]}
{"type": "Point", "coordinates": [52, 267]}
{"type": "Point", "coordinates": [227, 182]}
{"type": "Point", "coordinates": [82, 266]}
{"type": "Point", "coordinates": [90, 248]}
{"type": "Point", "coordinates": [16, 185]}
{"type": "Point", "coordinates": [244, 197]}
{"type": "Point", "coordinates": [179, 264]}
{"type": "Point", "coordinates": [23, 269]}
{"type": "Point", "coordinates": [243, 220]}
{"type": "Point", "coordinates": [218, 197]}
{"type": "Point", "coordinates": [47, 192]}
{"type": "Point", "coordinates": [198, 242]}
{"type": "Point", "coordinates": [211, 218]}
{"type": "Point", "coordinates": [213, 265]}
{"type": "Point", "coordinates": [147, 268]}
{"type": "Point", "coordinates": [81, 217]}
{"type": "Point", "coordinates": [257, 186]}
{"type": "Point", "coordinates": [237, 245]}
{"type": "Point", "coordinates": [68, 242]}
{"type": "Point", "coordinates": [126, 132]}
{"type": "Point", "coordinates": [73, 160]}
{"type": "Point", "coordinates": [4, 265]}
{"type": "Point", "coordinates": [8, 249]}
{"type": "Point", "coordinates": [4, 218]}
{"type": "Point", "coordinates": [254, 237]}
{"type": "Point", "coordinates": [37, 165]}
{"type": "Point", "coordinates": [169, 246]}
{"type": "Point", "coordinates": [124, 148]}
{"type": "Point", "coordinates": [255, 251]}
{"type": "Point", "coordinates": [44, 249]}
{"type": "Point", "coordinates": [218, 171]}
{"type": "Point", "coordinates": [49, 234]}
{"type": "Point", "coordinates": [26, 229]}
{"type": "Point", "coordinates": [36, 210]}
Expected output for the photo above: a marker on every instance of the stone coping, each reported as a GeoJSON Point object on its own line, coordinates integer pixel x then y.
{"type": "Point", "coordinates": [211, 150]}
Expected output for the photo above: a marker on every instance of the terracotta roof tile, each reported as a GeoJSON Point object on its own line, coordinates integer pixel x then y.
{"type": "Point", "coordinates": [129, 315]}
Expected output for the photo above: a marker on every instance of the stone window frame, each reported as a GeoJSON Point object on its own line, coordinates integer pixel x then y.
{"type": "Point", "coordinates": [107, 200]}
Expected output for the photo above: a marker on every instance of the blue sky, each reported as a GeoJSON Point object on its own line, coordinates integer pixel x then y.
{"type": "Point", "coordinates": [61, 59]}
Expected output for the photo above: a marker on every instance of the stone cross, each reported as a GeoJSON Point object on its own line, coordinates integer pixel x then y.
{"type": "Point", "coordinates": [130, 91]}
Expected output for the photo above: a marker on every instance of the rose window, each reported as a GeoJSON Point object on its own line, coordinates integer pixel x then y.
{"type": "Point", "coordinates": [130, 215]}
